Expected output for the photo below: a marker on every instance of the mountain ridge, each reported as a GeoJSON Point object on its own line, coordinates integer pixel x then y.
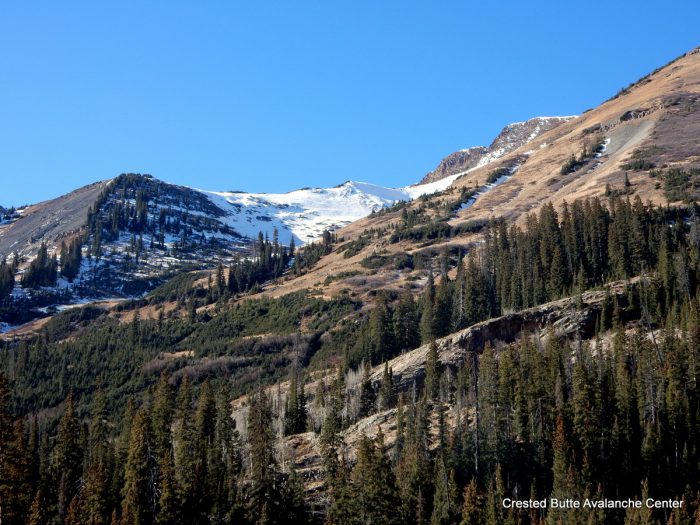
{"type": "Point", "coordinates": [202, 229]}
{"type": "Point", "coordinates": [510, 138]}
{"type": "Point", "coordinates": [300, 215]}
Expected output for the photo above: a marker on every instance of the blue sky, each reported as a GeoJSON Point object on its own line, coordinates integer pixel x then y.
{"type": "Point", "coordinates": [272, 96]}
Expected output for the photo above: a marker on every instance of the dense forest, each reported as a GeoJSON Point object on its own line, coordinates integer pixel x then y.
{"type": "Point", "coordinates": [554, 255]}
{"type": "Point", "coordinates": [99, 427]}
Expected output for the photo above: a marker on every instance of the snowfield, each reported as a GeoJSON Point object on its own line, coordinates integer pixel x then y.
{"type": "Point", "coordinates": [304, 214]}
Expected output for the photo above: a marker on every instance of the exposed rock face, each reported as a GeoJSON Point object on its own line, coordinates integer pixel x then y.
{"type": "Point", "coordinates": [565, 317]}
{"type": "Point", "coordinates": [562, 316]}
{"type": "Point", "coordinates": [512, 137]}
{"type": "Point", "coordinates": [456, 162]}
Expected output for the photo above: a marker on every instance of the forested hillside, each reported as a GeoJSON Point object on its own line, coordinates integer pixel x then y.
{"type": "Point", "coordinates": [145, 431]}
{"type": "Point", "coordinates": [530, 333]}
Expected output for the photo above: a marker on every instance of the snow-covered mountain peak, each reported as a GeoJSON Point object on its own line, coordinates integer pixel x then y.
{"type": "Point", "coordinates": [303, 214]}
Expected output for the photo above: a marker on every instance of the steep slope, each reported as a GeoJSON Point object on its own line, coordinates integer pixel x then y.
{"type": "Point", "coordinates": [149, 228]}
{"type": "Point", "coordinates": [49, 221]}
{"type": "Point", "coordinates": [566, 343]}
{"type": "Point", "coordinates": [639, 143]}
{"type": "Point", "coordinates": [638, 136]}
{"type": "Point", "coordinates": [511, 137]}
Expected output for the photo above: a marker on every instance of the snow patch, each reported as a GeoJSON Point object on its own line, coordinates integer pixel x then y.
{"type": "Point", "coordinates": [488, 187]}
{"type": "Point", "coordinates": [303, 214]}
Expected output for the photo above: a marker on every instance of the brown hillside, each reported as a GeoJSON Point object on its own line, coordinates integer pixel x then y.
{"type": "Point", "coordinates": [656, 119]}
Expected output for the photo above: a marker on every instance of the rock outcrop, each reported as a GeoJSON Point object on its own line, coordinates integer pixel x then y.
{"type": "Point", "coordinates": [512, 137]}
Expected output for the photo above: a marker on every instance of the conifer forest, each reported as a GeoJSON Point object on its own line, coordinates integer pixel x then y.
{"type": "Point", "coordinates": [118, 417]}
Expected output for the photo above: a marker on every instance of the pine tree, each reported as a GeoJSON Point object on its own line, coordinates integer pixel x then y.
{"type": "Point", "coordinates": [367, 394]}
{"type": "Point", "coordinates": [226, 463]}
{"type": "Point", "coordinates": [644, 515]}
{"type": "Point", "coordinates": [71, 256]}
{"type": "Point", "coordinates": [564, 485]}
{"type": "Point", "coordinates": [95, 497]}
{"type": "Point", "coordinates": [66, 458]}
{"type": "Point", "coordinates": [294, 510]}
{"type": "Point", "coordinates": [186, 453]}
{"type": "Point", "coordinates": [15, 487]}
{"type": "Point", "coordinates": [205, 414]}
{"type": "Point", "coordinates": [343, 508]}
{"type": "Point", "coordinates": [162, 417]}
{"type": "Point", "coordinates": [413, 469]}
{"type": "Point", "coordinates": [138, 497]}
{"type": "Point", "coordinates": [445, 498]}
{"type": "Point", "coordinates": [442, 315]}
{"type": "Point", "coordinates": [432, 372]}
{"type": "Point", "coordinates": [42, 271]}
{"type": "Point", "coordinates": [427, 320]}
{"type": "Point", "coordinates": [169, 510]}
{"type": "Point", "coordinates": [387, 391]}
{"type": "Point", "coordinates": [333, 424]}
{"type": "Point", "coordinates": [295, 414]}
{"type": "Point", "coordinates": [405, 320]}
{"type": "Point", "coordinates": [37, 511]}
{"type": "Point", "coordinates": [374, 482]}
{"type": "Point", "coordinates": [381, 333]}
{"type": "Point", "coordinates": [263, 469]}
{"type": "Point", "coordinates": [7, 279]}
{"type": "Point", "coordinates": [471, 507]}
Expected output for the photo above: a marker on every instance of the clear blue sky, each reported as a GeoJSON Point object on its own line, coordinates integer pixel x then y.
{"type": "Point", "coordinates": [264, 96]}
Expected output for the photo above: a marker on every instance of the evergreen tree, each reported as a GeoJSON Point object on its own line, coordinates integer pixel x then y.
{"type": "Point", "coordinates": [294, 510]}
{"type": "Point", "coordinates": [37, 512]}
{"type": "Point", "coordinates": [71, 256]}
{"type": "Point", "coordinates": [67, 458]}
{"type": "Point", "coordinates": [471, 507]}
{"type": "Point", "coordinates": [162, 417]}
{"type": "Point", "coordinates": [138, 496]}
{"type": "Point", "coordinates": [387, 391]}
{"type": "Point", "coordinates": [344, 506]}
{"type": "Point", "coordinates": [185, 453]}
{"type": "Point", "coordinates": [7, 279]}
{"type": "Point", "coordinates": [442, 315]}
{"type": "Point", "coordinates": [295, 414]}
{"type": "Point", "coordinates": [405, 320]}
{"type": "Point", "coordinates": [432, 372]}
{"type": "Point", "coordinates": [169, 510]}
{"type": "Point", "coordinates": [42, 271]}
{"type": "Point", "coordinates": [374, 483]}
{"type": "Point", "coordinates": [381, 333]}
{"type": "Point", "coordinates": [445, 499]}
{"type": "Point", "coordinates": [367, 394]}
{"type": "Point", "coordinates": [264, 494]}
{"type": "Point", "coordinates": [427, 320]}
{"type": "Point", "coordinates": [15, 487]}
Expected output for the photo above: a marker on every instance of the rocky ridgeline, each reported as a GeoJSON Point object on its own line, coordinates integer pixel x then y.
{"type": "Point", "coordinates": [512, 137]}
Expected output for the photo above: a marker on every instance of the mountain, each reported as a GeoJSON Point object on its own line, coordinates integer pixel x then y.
{"type": "Point", "coordinates": [153, 228]}
{"type": "Point", "coordinates": [150, 229]}
{"type": "Point", "coordinates": [638, 143]}
{"type": "Point", "coordinates": [511, 137]}
{"type": "Point", "coordinates": [302, 214]}
{"type": "Point", "coordinates": [526, 327]}
{"type": "Point", "coordinates": [306, 213]}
